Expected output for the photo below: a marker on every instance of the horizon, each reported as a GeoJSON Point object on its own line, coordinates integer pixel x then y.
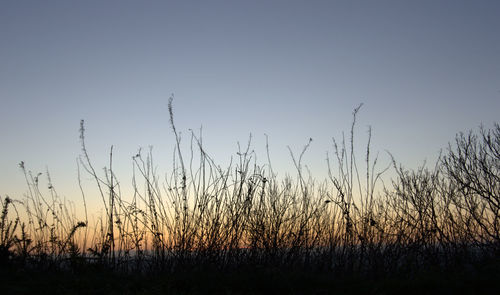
{"type": "Point", "coordinates": [125, 126]}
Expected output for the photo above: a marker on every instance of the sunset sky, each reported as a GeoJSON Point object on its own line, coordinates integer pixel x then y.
{"type": "Point", "coordinates": [293, 70]}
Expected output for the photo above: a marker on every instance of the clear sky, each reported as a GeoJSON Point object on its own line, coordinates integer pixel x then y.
{"type": "Point", "coordinates": [424, 70]}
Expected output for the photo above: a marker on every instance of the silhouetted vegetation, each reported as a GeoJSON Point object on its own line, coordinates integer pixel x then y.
{"type": "Point", "coordinates": [243, 225]}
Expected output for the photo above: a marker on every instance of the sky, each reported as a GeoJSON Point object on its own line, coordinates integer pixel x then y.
{"type": "Point", "coordinates": [291, 70]}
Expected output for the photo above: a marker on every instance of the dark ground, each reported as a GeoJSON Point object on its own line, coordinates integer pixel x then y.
{"type": "Point", "coordinates": [485, 280]}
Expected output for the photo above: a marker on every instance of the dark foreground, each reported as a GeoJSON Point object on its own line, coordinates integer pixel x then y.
{"type": "Point", "coordinates": [484, 279]}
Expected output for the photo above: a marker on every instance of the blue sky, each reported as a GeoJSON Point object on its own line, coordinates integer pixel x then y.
{"type": "Point", "coordinates": [294, 70]}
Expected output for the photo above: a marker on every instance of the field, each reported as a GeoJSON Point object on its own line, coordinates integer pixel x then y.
{"type": "Point", "coordinates": [242, 230]}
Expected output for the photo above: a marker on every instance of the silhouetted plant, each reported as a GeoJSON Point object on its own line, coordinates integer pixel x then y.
{"type": "Point", "coordinates": [202, 216]}
{"type": "Point", "coordinates": [472, 166]}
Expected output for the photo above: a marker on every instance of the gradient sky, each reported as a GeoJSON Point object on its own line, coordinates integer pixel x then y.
{"type": "Point", "coordinates": [424, 70]}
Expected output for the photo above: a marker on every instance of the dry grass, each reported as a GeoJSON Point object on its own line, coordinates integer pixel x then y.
{"type": "Point", "coordinates": [205, 218]}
